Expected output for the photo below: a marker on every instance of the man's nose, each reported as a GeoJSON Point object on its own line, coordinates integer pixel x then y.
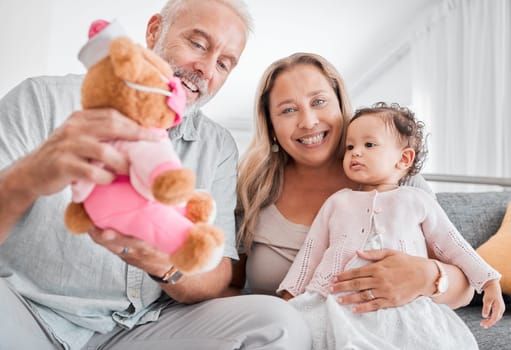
{"type": "Point", "coordinates": [206, 67]}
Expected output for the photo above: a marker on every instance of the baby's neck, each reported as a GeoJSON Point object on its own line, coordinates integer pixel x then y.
{"type": "Point", "coordinates": [378, 187]}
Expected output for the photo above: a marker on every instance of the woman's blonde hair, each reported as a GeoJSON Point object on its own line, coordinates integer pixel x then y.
{"type": "Point", "coordinates": [261, 171]}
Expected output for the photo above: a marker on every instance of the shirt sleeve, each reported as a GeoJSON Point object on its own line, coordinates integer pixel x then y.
{"type": "Point", "coordinates": [23, 122]}
{"type": "Point", "coordinates": [419, 181]}
{"type": "Point", "coordinates": [210, 151]}
{"type": "Point", "coordinates": [223, 190]}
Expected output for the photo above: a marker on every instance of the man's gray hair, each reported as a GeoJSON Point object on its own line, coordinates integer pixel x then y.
{"type": "Point", "coordinates": [175, 7]}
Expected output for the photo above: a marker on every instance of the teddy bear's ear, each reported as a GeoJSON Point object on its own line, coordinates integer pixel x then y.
{"type": "Point", "coordinates": [126, 58]}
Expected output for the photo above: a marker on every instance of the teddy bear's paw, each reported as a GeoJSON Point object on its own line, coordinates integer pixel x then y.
{"type": "Point", "coordinates": [76, 218]}
{"type": "Point", "coordinates": [202, 250]}
{"type": "Point", "coordinates": [174, 186]}
{"type": "Point", "coordinates": [200, 208]}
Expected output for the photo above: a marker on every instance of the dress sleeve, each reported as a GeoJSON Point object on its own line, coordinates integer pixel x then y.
{"type": "Point", "coordinates": [419, 181]}
{"type": "Point", "coordinates": [450, 247]}
{"type": "Point", "coordinates": [310, 254]}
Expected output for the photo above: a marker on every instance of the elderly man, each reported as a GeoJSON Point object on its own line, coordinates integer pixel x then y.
{"type": "Point", "coordinates": [58, 290]}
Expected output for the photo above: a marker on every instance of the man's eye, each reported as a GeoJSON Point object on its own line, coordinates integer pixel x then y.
{"type": "Point", "coordinates": [197, 45]}
{"type": "Point", "coordinates": [224, 66]}
{"type": "Point", "coordinates": [370, 144]}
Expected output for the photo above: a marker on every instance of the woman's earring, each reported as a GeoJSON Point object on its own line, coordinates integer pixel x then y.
{"type": "Point", "coordinates": [274, 145]}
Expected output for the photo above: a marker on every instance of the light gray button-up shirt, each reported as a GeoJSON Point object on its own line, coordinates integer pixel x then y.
{"type": "Point", "coordinates": [76, 286]}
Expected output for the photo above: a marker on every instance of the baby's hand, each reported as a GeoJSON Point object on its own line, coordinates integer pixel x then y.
{"type": "Point", "coordinates": [493, 304]}
{"type": "Point", "coordinates": [286, 295]}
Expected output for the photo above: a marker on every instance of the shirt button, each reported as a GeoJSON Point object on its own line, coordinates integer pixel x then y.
{"type": "Point", "coordinates": [377, 210]}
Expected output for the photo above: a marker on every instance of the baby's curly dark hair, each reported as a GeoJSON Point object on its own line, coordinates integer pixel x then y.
{"type": "Point", "coordinates": [410, 130]}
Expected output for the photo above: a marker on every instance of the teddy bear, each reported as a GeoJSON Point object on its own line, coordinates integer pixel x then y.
{"type": "Point", "coordinates": [157, 201]}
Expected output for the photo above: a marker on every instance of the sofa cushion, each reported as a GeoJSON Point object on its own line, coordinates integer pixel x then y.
{"type": "Point", "coordinates": [497, 250]}
{"type": "Point", "coordinates": [477, 215]}
{"type": "Point", "coordinates": [496, 337]}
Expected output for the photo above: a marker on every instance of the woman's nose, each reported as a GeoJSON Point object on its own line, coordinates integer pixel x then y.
{"type": "Point", "coordinates": [308, 120]}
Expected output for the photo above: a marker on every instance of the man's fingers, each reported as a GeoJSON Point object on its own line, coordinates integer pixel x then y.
{"type": "Point", "coordinates": [108, 124]}
{"type": "Point", "coordinates": [103, 153]}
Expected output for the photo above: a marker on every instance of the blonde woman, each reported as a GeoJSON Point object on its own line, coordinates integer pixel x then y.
{"type": "Point", "coordinates": [292, 166]}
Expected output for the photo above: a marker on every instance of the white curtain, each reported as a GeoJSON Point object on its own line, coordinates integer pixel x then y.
{"type": "Point", "coordinates": [461, 66]}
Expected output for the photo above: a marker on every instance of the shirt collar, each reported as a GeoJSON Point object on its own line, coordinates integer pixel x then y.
{"type": "Point", "coordinates": [187, 129]}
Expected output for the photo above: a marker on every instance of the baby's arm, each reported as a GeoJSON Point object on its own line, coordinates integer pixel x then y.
{"type": "Point", "coordinates": [493, 304]}
{"type": "Point", "coordinates": [309, 256]}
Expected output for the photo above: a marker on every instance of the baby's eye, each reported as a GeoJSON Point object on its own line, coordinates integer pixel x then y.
{"type": "Point", "coordinates": [349, 147]}
{"type": "Point", "coordinates": [370, 144]}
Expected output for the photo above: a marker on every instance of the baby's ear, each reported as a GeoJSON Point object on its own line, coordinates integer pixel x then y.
{"type": "Point", "coordinates": [407, 157]}
{"type": "Point", "coordinates": [126, 59]}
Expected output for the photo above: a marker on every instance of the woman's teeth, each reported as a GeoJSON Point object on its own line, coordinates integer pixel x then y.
{"type": "Point", "coordinates": [313, 139]}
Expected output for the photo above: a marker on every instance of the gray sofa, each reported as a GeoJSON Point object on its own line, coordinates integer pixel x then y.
{"type": "Point", "coordinates": [478, 215]}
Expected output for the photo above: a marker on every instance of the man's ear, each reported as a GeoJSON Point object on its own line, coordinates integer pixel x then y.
{"type": "Point", "coordinates": [407, 157]}
{"type": "Point", "coordinates": [153, 31]}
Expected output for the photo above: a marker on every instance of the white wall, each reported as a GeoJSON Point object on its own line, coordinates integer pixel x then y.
{"type": "Point", "coordinates": [44, 37]}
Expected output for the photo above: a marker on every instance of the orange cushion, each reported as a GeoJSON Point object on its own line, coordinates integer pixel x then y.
{"type": "Point", "coordinates": [497, 251]}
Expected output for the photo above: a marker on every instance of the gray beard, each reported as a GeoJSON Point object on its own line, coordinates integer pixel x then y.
{"type": "Point", "coordinates": [191, 108]}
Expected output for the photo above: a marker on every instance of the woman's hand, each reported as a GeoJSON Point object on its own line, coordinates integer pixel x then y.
{"type": "Point", "coordinates": [394, 279]}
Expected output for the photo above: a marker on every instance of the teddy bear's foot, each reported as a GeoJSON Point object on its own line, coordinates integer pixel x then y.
{"type": "Point", "coordinates": [201, 252]}
{"type": "Point", "coordinates": [200, 208]}
{"type": "Point", "coordinates": [174, 186]}
{"type": "Point", "coordinates": [76, 218]}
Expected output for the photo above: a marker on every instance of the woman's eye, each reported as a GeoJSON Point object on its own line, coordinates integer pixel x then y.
{"type": "Point", "coordinates": [349, 147]}
{"type": "Point", "coordinates": [318, 101]}
{"type": "Point", "coordinates": [370, 144]}
{"type": "Point", "coordinates": [288, 110]}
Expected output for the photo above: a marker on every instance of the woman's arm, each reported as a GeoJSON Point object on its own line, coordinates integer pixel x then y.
{"type": "Point", "coordinates": [396, 279]}
{"type": "Point", "coordinates": [238, 277]}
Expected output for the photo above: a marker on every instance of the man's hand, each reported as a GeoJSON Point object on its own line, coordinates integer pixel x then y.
{"type": "Point", "coordinates": [138, 253]}
{"type": "Point", "coordinates": [68, 153]}
{"type": "Point", "coordinates": [133, 251]}
{"type": "Point", "coordinates": [66, 156]}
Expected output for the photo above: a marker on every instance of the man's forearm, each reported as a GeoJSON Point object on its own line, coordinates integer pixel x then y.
{"type": "Point", "coordinates": [193, 289]}
{"type": "Point", "coordinates": [15, 199]}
